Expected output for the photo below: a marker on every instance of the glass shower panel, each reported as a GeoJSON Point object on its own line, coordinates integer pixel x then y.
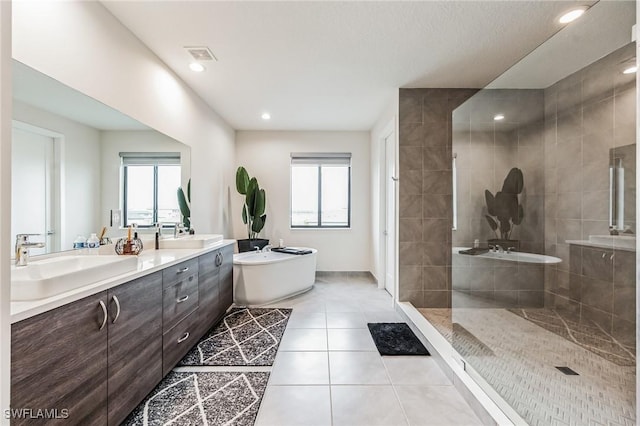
{"type": "Point", "coordinates": [543, 252]}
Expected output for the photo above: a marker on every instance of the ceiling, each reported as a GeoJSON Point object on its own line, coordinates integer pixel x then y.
{"type": "Point", "coordinates": [335, 65]}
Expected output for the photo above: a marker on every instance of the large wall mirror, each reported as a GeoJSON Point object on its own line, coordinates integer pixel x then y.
{"type": "Point", "coordinates": [75, 160]}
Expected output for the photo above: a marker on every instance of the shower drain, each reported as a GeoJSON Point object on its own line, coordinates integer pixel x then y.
{"type": "Point", "coordinates": [567, 371]}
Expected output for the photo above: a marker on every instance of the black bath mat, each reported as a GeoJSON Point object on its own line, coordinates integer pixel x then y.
{"type": "Point", "coordinates": [245, 336]}
{"type": "Point", "coordinates": [396, 338]}
{"type": "Point", "coordinates": [197, 398]}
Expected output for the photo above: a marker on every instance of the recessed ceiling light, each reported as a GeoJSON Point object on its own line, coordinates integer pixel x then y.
{"type": "Point", "coordinates": [266, 116]}
{"type": "Point", "coordinates": [498, 117]}
{"type": "Point", "coordinates": [196, 67]}
{"type": "Point", "coordinates": [572, 15]}
{"type": "Point", "coordinates": [630, 70]}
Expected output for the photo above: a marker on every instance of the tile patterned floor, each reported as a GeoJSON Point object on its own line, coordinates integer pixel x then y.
{"type": "Point", "coordinates": [522, 369]}
{"type": "Point", "coordinates": [328, 371]}
{"type": "Point", "coordinates": [588, 335]}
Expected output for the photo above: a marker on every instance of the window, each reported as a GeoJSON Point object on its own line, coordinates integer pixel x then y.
{"type": "Point", "coordinates": [320, 190]}
{"type": "Point", "coordinates": [150, 184]}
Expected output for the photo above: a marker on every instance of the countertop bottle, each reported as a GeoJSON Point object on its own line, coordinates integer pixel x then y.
{"type": "Point", "coordinates": [80, 242]}
{"type": "Point", "coordinates": [93, 244]}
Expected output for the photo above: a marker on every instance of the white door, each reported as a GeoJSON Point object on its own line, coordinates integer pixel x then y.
{"type": "Point", "coordinates": [390, 214]}
{"type": "Point", "coordinates": [32, 160]}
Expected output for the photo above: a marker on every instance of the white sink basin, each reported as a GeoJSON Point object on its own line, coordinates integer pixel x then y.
{"type": "Point", "coordinates": [190, 241]}
{"type": "Point", "coordinates": [48, 277]}
{"type": "Point", "coordinates": [620, 241]}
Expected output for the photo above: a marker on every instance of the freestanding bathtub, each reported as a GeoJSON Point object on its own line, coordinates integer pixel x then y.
{"type": "Point", "coordinates": [261, 278]}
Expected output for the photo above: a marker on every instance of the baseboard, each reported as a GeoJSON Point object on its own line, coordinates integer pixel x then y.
{"type": "Point", "coordinates": [347, 274]}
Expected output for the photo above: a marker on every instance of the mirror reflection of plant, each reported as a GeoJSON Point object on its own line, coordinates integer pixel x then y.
{"type": "Point", "coordinates": [253, 211]}
{"type": "Point", "coordinates": [504, 210]}
{"type": "Point", "coordinates": [184, 202]}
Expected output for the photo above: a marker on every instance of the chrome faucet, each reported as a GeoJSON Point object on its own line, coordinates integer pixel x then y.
{"type": "Point", "coordinates": [22, 248]}
{"type": "Point", "coordinates": [267, 248]}
{"type": "Point", "coordinates": [510, 249]}
{"type": "Point", "coordinates": [179, 230]}
{"type": "Point", "coordinates": [257, 249]}
{"type": "Point", "coordinates": [499, 249]}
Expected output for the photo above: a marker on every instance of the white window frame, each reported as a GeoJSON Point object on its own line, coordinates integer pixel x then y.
{"type": "Point", "coordinates": [320, 159]}
{"type": "Point", "coordinates": [154, 159]}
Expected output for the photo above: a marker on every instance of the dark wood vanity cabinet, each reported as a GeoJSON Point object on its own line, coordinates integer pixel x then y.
{"type": "Point", "coordinates": [135, 344]}
{"type": "Point", "coordinates": [226, 278]}
{"type": "Point", "coordinates": [99, 357]}
{"type": "Point", "coordinates": [59, 362]}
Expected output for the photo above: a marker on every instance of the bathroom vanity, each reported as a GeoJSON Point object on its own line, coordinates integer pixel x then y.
{"type": "Point", "coordinates": [99, 355]}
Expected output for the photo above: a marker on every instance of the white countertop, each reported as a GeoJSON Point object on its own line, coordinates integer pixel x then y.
{"type": "Point", "coordinates": [149, 261]}
{"type": "Point", "coordinates": [587, 243]}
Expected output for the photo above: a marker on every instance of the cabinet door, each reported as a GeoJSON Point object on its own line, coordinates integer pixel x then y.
{"type": "Point", "coordinates": [208, 286]}
{"type": "Point", "coordinates": [135, 343]}
{"type": "Point", "coordinates": [226, 278]}
{"type": "Point", "coordinates": [59, 361]}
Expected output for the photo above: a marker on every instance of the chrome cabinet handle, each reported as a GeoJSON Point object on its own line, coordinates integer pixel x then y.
{"type": "Point", "coordinates": [115, 299]}
{"type": "Point", "coordinates": [185, 269]}
{"type": "Point", "coordinates": [183, 338]}
{"type": "Point", "coordinates": [182, 299]}
{"type": "Point", "coordinates": [104, 313]}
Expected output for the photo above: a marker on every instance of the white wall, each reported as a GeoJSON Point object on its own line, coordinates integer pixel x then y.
{"type": "Point", "coordinates": [115, 142]}
{"type": "Point", "coordinates": [83, 46]}
{"type": "Point", "coordinates": [388, 117]}
{"type": "Point", "coordinates": [80, 162]}
{"type": "Point", "coordinates": [5, 205]}
{"type": "Point", "coordinates": [267, 155]}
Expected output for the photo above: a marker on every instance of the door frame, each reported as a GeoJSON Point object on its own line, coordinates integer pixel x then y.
{"type": "Point", "coordinates": [390, 130]}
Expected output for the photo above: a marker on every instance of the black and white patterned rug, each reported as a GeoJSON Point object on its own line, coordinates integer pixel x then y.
{"type": "Point", "coordinates": [245, 336]}
{"type": "Point", "coordinates": [200, 398]}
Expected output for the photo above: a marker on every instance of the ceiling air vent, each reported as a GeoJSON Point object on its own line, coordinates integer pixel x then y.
{"type": "Point", "coordinates": [201, 53]}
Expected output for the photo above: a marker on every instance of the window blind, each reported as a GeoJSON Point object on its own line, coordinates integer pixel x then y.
{"type": "Point", "coordinates": [321, 158]}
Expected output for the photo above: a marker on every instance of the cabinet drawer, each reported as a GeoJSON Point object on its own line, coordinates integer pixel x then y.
{"type": "Point", "coordinates": [177, 341]}
{"type": "Point", "coordinates": [179, 300]}
{"type": "Point", "coordinates": [177, 273]}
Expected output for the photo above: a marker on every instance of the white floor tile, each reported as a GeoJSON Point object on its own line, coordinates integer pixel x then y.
{"type": "Point", "coordinates": [346, 320]}
{"type": "Point", "coordinates": [300, 368]}
{"type": "Point", "coordinates": [342, 306]}
{"type": "Point", "coordinates": [309, 306]}
{"type": "Point", "coordinates": [303, 319]}
{"type": "Point", "coordinates": [304, 339]}
{"type": "Point", "coordinates": [366, 406]}
{"type": "Point", "coordinates": [350, 340]}
{"type": "Point", "coordinates": [382, 316]}
{"type": "Point", "coordinates": [415, 370]}
{"type": "Point", "coordinates": [435, 405]}
{"type": "Point", "coordinates": [295, 406]}
{"type": "Point", "coordinates": [357, 368]}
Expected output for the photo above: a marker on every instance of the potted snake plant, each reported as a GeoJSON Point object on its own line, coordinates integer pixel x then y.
{"type": "Point", "coordinates": [253, 210]}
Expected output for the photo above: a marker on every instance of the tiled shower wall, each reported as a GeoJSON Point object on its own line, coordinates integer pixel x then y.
{"type": "Point", "coordinates": [587, 115]}
{"type": "Point", "coordinates": [486, 150]}
{"type": "Point", "coordinates": [425, 194]}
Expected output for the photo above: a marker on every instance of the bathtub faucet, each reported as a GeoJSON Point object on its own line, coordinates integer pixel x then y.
{"type": "Point", "coordinates": [267, 248]}
{"type": "Point", "coordinates": [496, 248]}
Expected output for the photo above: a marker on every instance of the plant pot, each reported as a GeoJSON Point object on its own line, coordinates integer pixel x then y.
{"type": "Point", "coordinates": [250, 245]}
{"type": "Point", "coordinates": [505, 244]}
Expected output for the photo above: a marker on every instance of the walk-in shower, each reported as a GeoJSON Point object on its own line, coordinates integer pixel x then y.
{"type": "Point", "coordinates": [551, 340]}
